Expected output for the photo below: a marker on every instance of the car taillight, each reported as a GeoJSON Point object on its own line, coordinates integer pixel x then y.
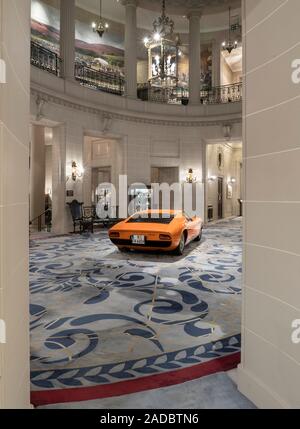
{"type": "Point", "coordinates": [164, 237]}
{"type": "Point", "coordinates": [114, 235]}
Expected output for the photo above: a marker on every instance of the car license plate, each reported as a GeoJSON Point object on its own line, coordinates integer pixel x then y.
{"type": "Point", "coordinates": [138, 239]}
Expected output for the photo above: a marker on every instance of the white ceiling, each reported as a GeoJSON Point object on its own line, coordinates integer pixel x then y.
{"type": "Point", "coordinates": [235, 145]}
{"type": "Point", "coordinates": [179, 7]}
{"type": "Point", "coordinates": [216, 21]}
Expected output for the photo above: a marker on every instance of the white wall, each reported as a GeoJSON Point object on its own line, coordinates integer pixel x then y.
{"type": "Point", "coordinates": [48, 179]}
{"type": "Point", "coordinates": [270, 371]}
{"type": "Point", "coordinates": [104, 153]}
{"type": "Point", "coordinates": [14, 210]}
{"type": "Point", "coordinates": [142, 71]}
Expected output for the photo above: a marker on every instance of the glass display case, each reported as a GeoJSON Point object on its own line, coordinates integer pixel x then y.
{"type": "Point", "coordinates": [139, 198]}
{"type": "Point", "coordinates": [105, 202]}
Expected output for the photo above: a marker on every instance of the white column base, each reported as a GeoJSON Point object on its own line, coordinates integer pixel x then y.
{"type": "Point", "coordinates": [257, 392]}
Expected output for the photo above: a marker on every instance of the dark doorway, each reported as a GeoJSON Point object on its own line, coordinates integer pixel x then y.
{"type": "Point", "coordinates": [169, 175]}
{"type": "Point", "coordinates": [220, 197]}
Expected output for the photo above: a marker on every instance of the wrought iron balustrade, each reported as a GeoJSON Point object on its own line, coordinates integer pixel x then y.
{"type": "Point", "coordinates": [45, 59]}
{"type": "Point", "coordinates": [106, 81]}
{"type": "Point", "coordinates": [114, 83]}
{"type": "Point", "coordinates": [176, 95]}
{"type": "Point", "coordinates": [222, 94]}
{"type": "Point", "coordinates": [179, 95]}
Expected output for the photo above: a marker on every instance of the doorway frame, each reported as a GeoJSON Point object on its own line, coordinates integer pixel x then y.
{"type": "Point", "coordinates": [220, 179]}
{"type": "Point", "coordinates": [205, 143]}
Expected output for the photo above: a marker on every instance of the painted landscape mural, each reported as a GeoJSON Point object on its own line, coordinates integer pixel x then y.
{"type": "Point", "coordinates": [45, 24]}
{"type": "Point", "coordinates": [106, 53]}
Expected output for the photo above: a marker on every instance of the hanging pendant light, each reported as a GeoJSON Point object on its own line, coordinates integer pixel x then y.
{"type": "Point", "coordinates": [101, 26]}
{"type": "Point", "coordinates": [163, 51]}
{"type": "Point", "coordinates": [163, 27]}
{"type": "Point", "coordinates": [229, 45]}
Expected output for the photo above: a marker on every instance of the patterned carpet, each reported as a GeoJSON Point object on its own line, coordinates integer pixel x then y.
{"type": "Point", "coordinates": [100, 317]}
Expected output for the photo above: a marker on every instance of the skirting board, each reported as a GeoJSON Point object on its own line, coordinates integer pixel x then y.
{"type": "Point", "coordinates": [257, 392]}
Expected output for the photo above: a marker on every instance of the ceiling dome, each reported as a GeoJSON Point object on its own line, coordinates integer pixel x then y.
{"type": "Point", "coordinates": [181, 7]}
{"type": "Point", "coordinates": [215, 12]}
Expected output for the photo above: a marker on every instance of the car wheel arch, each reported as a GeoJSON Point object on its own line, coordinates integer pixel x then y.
{"type": "Point", "coordinates": [185, 235]}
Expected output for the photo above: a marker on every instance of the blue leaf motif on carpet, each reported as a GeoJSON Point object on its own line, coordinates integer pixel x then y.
{"type": "Point", "coordinates": [64, 340]}
{"type": "Point", "coordinates": [144, 334]}
{"type": "Point", "coordinates": [97, 298]}
{"type": "Point", "coordinates": [99, 316]}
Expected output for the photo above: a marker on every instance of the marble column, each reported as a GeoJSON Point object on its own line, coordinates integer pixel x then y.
{"type": "Point", "coordinates": [59, 207]}
{"type": "Point", "coordinates": [37, 171]}
{"type": "Point", "coordinates": [67, 37]}
{"type": "Point", "coordinates": [216, 63]}
{"type": "Point", "coordinates": [87, 179]}
{"type": "Point", "coordinates": [269, 373]}
{"type": "Point", "coordinates": [194, 56]}
{"type": "Point", "coordinates": [14, 205]}
{"type": "Point", "coordinates": [130, 48]}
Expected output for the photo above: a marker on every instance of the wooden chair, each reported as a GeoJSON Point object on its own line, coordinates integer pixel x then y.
{"type": "Point", "coordinates": [79, 219]}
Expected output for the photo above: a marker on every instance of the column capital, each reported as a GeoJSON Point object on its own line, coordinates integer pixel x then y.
{"type": "Point", "coordinates": [198, 12]}
{"type": "Point", "coordinates": [130, 3]}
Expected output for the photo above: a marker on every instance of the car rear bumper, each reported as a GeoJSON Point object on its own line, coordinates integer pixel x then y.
{"type": "Point", "coordinates": [149, 244]}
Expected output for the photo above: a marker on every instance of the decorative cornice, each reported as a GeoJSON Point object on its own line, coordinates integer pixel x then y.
{"type": "Point", "coordinates": [194, 13]}
{"type": "Point", "coordinates": [54, 99]}
{"type": "Point", "coordinates": [130, 3]}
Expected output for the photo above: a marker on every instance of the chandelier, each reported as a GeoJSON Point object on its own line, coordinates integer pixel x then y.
{"type": "Point", "coordinates": [163, 51]}
{"type": "Point", "coordinates": [229, 45]}
{"type": "Point", "coordinates": [101, 26]}
{"type": "Point", "coordinates": [163, 25]}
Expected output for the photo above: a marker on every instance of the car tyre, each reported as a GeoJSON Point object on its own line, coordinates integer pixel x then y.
{"type": "Point", "coordinates": [180, 249]}
{"type": "Point", "coordinates": [199, 237]}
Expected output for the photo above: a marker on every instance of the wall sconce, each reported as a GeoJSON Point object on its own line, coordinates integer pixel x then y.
{"type": "Point", "coordinates": [212, 179]}
{"type": "Point", "coordinates": [227, 131]}
{"type": "Point", "coordinates": [231, 181]}
{"type": "Point", "coordinates": [77, 172]}
{"type": "Point", "coordinates": [191, 178]}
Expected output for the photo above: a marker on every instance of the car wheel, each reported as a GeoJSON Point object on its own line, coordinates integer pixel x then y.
{"type": "Point", "coordinates": [180, 249]}
{"type": "Point", "coordinates": [198, 238]}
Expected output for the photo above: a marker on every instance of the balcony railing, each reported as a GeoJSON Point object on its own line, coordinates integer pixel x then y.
{"type": "Point", "coordinates": [45, 59]}
{"type": "Point", "coordinates": [222, 94]}
{"type": "Point", "coordinates": [218, 95]}
{"type": "Point", "coordinates": [169, 95]}
{"type": "Point", "coordinates": [114, 83]}
{"type": "Point", "coordinates": [98, 79]}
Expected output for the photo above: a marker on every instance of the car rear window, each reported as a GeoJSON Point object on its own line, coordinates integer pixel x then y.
{"type": "Point", "coordinates": [154, 218]}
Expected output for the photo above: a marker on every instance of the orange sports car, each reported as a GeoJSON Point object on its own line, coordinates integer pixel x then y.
{"type": "Point", "coordinates": [166, 230]}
